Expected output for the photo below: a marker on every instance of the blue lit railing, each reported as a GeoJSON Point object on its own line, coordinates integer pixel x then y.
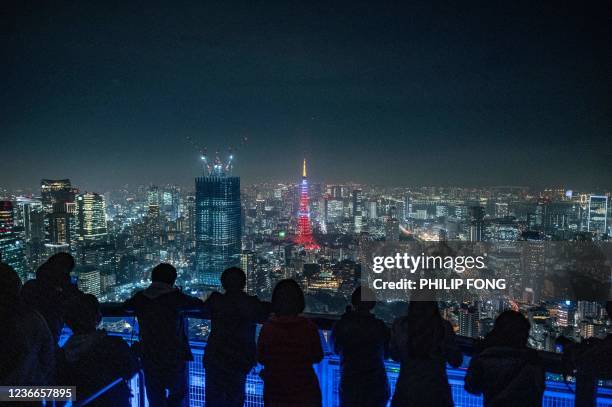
{"type": "Point", "coordinates": [558, 393]}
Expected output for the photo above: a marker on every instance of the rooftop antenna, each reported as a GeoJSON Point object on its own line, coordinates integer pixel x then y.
{"type": "Point", "coordinates": [216, 166]}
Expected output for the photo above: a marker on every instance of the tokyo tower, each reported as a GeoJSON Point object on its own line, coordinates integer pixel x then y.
{"type": "Point", "coordinates": [304, 232]}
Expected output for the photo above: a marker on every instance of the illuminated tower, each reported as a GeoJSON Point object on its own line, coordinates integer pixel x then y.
{"type": "Point", "coordinates": [218, 225]}
{"type": "Point", "coordinates": [304, 232]}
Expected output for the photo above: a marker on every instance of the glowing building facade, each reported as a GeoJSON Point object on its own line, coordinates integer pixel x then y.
{"type": "Point", "coordinates": [90, 217]}
{"type": "Point", "coordinates": [218, 226]}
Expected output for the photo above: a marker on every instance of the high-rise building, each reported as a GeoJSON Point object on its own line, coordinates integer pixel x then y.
{"type": "Point", "coordinates": [372, 210]}
{"type": "Point", "coordinates": [218, 224]}
{"type": "Point", "coordinates": [90, 218]}
{"type": "Point", "coordinates": [357, 210]}
{"type": "Point", "coordinates": [468, 321]}
{"type": "Point", "coordinates": [31, 218]}
{"type": "Point", "coordinates": [247, 264]}
{"type": "Point", "coordinates": [334, 211]}
{"type": "Point", "coordinates": [59, 228]}
{"type": "Point", "coordinates": [191, 216]}
{"type": "Point", "coordinates": [392, 230]}
{"type": "Point", "coordinates": [304, 231]}
{"type": "Point", "coordinates": [57, 196]}
{"type": "Point", "coordinates": [476, 223]}
{"type": "Point", "coordinates": [55, 191]}
{"type": "Point", "coordinates": [11, 240]}
{"type": "Point", "coordinates": [598, 214]}
{"type": "Point", "coordinates": [88, 280]}
{"type": "Point", "coordinates": [407, 207]}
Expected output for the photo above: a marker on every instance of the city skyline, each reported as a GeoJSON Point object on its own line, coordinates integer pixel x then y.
{"type": "Point", "coordinates": [423, 94]}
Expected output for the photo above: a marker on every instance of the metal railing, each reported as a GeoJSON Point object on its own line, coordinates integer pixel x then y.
{"type": "Point", "coordinates": [557, 393]}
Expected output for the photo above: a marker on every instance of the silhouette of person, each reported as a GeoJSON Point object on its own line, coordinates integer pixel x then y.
{"type": "Point", "coordinates": [50, 290]}
{"type": "Point", "coordinates": [423, 342]}
{"type": "Point", "coordinates": [164, 342]}
{"type": "Point", "coordinates": [593, 363]}
{"type": "Point", "coordinates": [288, 346]}
{"type": "Point", "coordinates": [362, 342]}
{"type": "Point", "coordinates": [28, 350]}
{"type": "Point", "coordinates": [90, 359]}
{"type": "Point", "coordinates": [230, 349]}
{"type": "Point", "coordinates": [506, 372]}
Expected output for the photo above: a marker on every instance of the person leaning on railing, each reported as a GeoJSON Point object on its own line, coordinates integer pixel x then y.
{"type": "Point", "coordinates": [423, 342]}
{"type": "Point", "coordinates": [230, 350]}
{"type": "Point", "coordinates": [164, 343]}
{"type": "Point", "coordinates": [362, 341]}
{"type": "Point", "coordinates": [506, 372]}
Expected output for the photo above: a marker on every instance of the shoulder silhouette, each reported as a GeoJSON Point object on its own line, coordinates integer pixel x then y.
{"type": "Point", "coordinates": [423, 342]}
{"type": "Point", "coordinates": [230, 350]}
{"type": "Point", "coordinates": [90, 359]}
{"type": "Point", "coordinates": [163, 335]}
{"type": "Point", "coordinates": [362, 342]}
{"type": "Point", "coordinates": [505, 371]}
{"type": "Point", "coordinates": [288, 346]}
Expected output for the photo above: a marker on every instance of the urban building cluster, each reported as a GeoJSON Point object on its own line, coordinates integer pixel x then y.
{"type": "Point", "coordinates": [309, 231]}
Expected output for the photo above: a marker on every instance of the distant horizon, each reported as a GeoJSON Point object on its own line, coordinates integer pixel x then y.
{"type": "Point", "coordinates": [187, 187]}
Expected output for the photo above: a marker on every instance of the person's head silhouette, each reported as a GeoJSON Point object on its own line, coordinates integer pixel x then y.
{"type": "Point", "coordinates": [288, 298]}
{"type": "Point", "coordinates": [362, 299]}
{"type": "Point", "coordinates": [233, 279]}
{"type": "Point", "coordinates": [56, 270]}
{"type": "Point", "coordinates": [511, 329]}
{"type": "Point", "coordinates": [82, 313]}
{"type": "Point", "coordinates": [62, 261]}
{"type": "Point", "coordinates": [164, 273]}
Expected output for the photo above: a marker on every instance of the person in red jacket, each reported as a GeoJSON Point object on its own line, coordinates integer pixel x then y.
{"type": "Point", "coordinates": [288, 346]}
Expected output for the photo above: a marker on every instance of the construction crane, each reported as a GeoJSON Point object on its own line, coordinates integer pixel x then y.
{"type": "Point", "coordinates": [216, 165]}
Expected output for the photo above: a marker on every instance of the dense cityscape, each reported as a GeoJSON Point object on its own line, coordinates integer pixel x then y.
{"type": "Point", "coordinates": [311, 232]}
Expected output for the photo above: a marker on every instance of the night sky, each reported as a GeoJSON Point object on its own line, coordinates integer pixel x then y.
{"type": "Point", "coordinates": [487, 93]}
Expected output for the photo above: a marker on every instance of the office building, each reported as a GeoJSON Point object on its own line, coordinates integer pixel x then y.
{"type": "Point", "coordinates": [11, 240]}
{"type": "Point", "coordinates": [357, 211]}
{"type": "Point", "coordinates": [598, 214]}
{"type": "Point", "coordinates": [90, 218]}
{"type": "Point", "coordinates": [218, 224]}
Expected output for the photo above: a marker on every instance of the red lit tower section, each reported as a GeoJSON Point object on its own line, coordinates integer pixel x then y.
{"type": "Point", "coordinates": [304, 231]}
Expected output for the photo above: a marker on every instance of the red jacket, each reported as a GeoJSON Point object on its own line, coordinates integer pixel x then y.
{"type": "Point", "coordinates": [287, 348]}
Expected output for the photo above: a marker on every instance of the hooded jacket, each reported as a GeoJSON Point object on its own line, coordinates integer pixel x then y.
{"type": "Point", "coordinates": [231, 344]}
{"type": "Point", "coordinates": [92, 361]}
{"type": "Point", "coordinates": [163, 333]}
{"type": "Point", "coordinates": [506, 377]}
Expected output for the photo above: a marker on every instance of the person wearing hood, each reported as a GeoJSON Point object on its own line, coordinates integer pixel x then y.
{"type": "Point", "coordinates": [28, 350]}
{"type": "Point", "coordinates": [506, 372]}
{"type": "Point", "coordinates": [163, 336]}
{"type": "Point", "coordinates": [50, 290]}
{"type": "Point", "coordinates": [230, 349]}
{"type": "Point", "coordinates": [90, 359]}
{"type": "Point", "coordinates": [362, 341]}
{"type": "Point", "coordinates": [288, 346]}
